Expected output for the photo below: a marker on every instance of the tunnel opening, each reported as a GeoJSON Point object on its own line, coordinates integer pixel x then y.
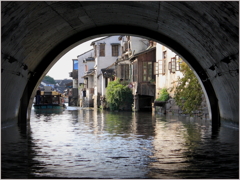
{"type": "Point", "coordinates": [71, 42]}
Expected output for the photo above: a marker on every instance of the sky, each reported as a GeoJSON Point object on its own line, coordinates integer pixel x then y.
{"type": "Point", "coordinates": [65, 65]}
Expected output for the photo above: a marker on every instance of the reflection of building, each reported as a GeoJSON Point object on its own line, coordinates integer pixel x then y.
{"type": "Point", "coordinates": [169, 140]}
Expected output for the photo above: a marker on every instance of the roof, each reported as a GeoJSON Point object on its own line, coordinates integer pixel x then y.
{"type": "Point", "coordinates": [107, 73]}
{"type": "Point", "coordinates": [93, 43]}
{"type": "Point", "coordinates": [89, 59]}
{"type": "Point", "coordinates": [143, 52]}
{"type": "Point", "coordinates": [89, 73]}
{"type": "Point", "coordinates": [85, 52]}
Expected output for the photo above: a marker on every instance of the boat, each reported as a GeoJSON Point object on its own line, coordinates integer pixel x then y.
{"type": "Point", "coordinates": [49, 99]}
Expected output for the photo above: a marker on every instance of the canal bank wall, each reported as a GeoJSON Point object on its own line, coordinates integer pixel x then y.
{"type": "Point", "coordinates": [171, 108]}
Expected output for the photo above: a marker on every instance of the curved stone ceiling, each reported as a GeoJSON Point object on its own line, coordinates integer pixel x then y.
{"type": "Point", "coordinates": [36, 34]}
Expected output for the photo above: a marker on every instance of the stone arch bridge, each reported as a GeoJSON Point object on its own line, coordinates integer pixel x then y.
{"type": "Point", "coordinates": [35, 34]}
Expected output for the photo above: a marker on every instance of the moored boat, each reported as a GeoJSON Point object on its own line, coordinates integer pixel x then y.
{"type": "Point", "coordinates": [49, 99]}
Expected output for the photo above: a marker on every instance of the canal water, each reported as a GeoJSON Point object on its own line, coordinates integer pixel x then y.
{"type": "Point", "coordinates": [88, 143]}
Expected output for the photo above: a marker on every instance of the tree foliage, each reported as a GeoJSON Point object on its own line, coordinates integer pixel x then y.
{"type": "Point", "coordinates": [188, 94]}
{"type": "Point", "coordinates": [49, 80]}
{"type": "Point", "coordinates": [163, 95]}
{"type": "Point", "coordinates": [118, 93]}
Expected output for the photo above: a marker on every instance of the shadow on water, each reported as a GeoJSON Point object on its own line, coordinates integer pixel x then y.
{"type": "Point", "coordinates": [86, 143]}
{"type": "Point", "coordinates": [14, 152]}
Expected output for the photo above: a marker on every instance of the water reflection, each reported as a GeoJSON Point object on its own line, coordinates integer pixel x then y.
{"type": "Point", "coordinates": [184, 148]}
{"type": "Point", "coordinates": [88, 143]}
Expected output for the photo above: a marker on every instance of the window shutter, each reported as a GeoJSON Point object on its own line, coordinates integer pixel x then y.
{"type": "Point", "coordinates": [118, 71]}
{"type": "Point", "coordinates": [122, 71]}
{"type": "Point", "coordinates": [126, 71]}
{"type": "Point", "coordinates": [156, 68]}
{"type": "Point", "coordinates": [163, 67]}
{"type": "Point", "coordinates": [160, 62]}
{"type": "Point", "coordinates": [178, 63]}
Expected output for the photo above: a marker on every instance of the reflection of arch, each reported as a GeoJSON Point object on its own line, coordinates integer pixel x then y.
{"type": "Point", "coordinates": [108, 30]}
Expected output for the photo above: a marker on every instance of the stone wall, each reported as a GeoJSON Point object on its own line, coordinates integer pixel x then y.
{"type": "Point", "coordinates": [172, 108]}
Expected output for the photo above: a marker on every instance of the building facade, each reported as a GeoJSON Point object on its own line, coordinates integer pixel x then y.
{"type": "Point", "coordinates": [167, 69]}
{"type": "Point", "coordinates": [73, 99]}
{"type": "Point", "coordinates": [106, 52]}
{"type": "Point", "coordinates": [145, 65]}
{"type": "Point", "coordinates": [86, 62]}
{"type": "Point", "coordinates": [136, 65]}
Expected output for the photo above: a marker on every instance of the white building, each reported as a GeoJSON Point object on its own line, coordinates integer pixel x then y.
{"type": "Point", "coordinates": [106, 52]}
{"type": "Point", "coordinates": [82, 66]}
{"type": "Point", "coordinates": [86, 64]}
{"type": "Point", "coordinates": [168, 69]}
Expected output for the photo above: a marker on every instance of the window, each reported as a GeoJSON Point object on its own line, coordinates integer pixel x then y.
{"type": "Point", "coordinates": [147, 71]}
{"type": "Point", "coordinates": [178, 63]}
{"type": "Point", "coordinates": [124, 71]}
{"type": "Point", "coordinates": [150, 71]}
{"type": "Point", "coordinates": [162, 65]}
{"type": "Point", "coordinates": [102, 49]}
{"type": "Point", "coordinates": [172, 65]}
{"type": "Point", "coordinates": [75, 64]}
{"type": "Point", "coordinates": [115, 51]}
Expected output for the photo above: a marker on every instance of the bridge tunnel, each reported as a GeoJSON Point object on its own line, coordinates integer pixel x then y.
{"type": "Point", "coordinates": [36, 34]}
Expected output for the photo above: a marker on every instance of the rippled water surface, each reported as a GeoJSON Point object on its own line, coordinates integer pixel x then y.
{"type": "Point", "coordinates": [87, 143]}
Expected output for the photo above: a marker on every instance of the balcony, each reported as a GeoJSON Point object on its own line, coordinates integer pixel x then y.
{"type": "Point", "coordinates": [74, 74]}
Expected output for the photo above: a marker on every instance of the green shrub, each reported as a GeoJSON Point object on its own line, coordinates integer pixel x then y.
{"type": "Point", "coordinates": [188, 94]}
{"type": "Point", "coordinates": [163, 95]}
{"type": "Point", "coordinates": [118, 93]}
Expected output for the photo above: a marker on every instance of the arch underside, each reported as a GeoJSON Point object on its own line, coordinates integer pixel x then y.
{"type": "Point", "coordinates": [36, 34]}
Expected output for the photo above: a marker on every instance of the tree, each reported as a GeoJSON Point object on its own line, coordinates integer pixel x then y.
{"type": "Point", "coordinates": [118, 93]}
{"type": "Point", "coordinates": [188, 93]}
{"type": "Point", "coordinates": [49, 80]}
